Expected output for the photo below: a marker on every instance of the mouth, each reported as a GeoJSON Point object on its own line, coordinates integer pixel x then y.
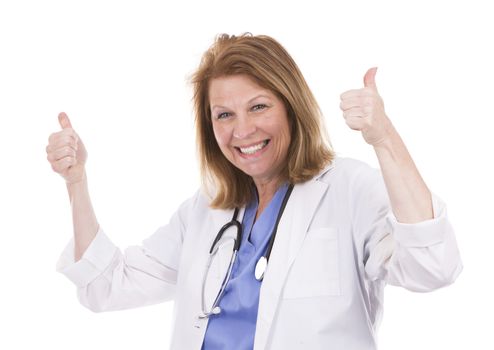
{"type": "Point", "coordinates": [250, 150]}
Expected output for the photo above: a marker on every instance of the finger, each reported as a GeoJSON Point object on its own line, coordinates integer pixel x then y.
{"type": "Point", "coordinates": [63, 164]}
{"type": "Point", "coordinates": [61, 153]}
{"type": "Point", "coordinates": [364, 102]}
{"type": "Point", "coordinates": [351, 94]}
{"type": "Point", "coordinates": [66, 136]}
{"type": "Point", "coordinates": [62, 143]}
{"type": "Point", "coordinates": [355, 123]}
{"type": "Point", "coordinates": [351, 102]}
{"type": "Point", "coordinates": [364, 92]}
{"type": "Point", "coordinates": [64, 121]}
{"type": "Point", "coordinates": [353, 113]}
{"type": "Point", "coordinates": [370, 78]}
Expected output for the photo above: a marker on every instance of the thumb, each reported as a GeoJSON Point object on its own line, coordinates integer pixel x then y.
{"type": "Point", "coordinates": [64, 121]}
{"type": "Point", "coordinates": [370, 78]}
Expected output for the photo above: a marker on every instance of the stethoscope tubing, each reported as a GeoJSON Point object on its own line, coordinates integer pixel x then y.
{"type": "Point", "coordinates": [275, 229]}
{"type": "Point", "coordinates": [260, 265]}
{"type": "Point", "coordinates": [232, 222]}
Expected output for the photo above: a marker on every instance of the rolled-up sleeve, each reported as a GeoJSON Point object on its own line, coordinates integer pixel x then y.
{"type": "Point", "coordinates": [107, 279]}
{"type": "Point", "coordinates": [421, 257]}
{"type": "Point", "coordinates": [97, 258]}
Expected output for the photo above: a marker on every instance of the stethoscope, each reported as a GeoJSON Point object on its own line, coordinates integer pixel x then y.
{"type": "Point", "coordinates": [261, 264]}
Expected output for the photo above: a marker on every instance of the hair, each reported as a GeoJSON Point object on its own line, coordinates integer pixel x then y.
{"type": "Point", "coordinates": [267, 63]}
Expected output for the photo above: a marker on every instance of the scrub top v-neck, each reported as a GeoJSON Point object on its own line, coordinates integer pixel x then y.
{"type": "Point", "coordinates": [234, 327]}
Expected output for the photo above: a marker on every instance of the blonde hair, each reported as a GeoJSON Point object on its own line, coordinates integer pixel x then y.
{"type": "Point", "coordinates": [266, 62]}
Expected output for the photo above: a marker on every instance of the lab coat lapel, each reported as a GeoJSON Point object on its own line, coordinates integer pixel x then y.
{"type": "Point", "coordinates": [292, 230]}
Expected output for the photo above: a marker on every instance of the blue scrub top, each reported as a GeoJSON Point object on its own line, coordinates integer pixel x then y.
{"type": "Point", "coordinates": [235, 326]}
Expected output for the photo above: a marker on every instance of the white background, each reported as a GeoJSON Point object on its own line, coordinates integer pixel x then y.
{"type": "Point", "coordinates": [119, 69]}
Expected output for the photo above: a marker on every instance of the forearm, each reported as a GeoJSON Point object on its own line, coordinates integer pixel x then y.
{"type": "Point", "coordinates": [410, 198]}
{"type": "Point", "coordinates": [85, 224]}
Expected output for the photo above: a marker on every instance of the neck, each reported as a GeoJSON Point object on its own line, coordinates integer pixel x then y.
{"type": "Point", "coordinates": [265, 192]}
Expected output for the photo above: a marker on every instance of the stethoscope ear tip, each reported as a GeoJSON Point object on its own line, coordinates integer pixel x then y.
{"type": "Point", "coordinates": [216, 310]}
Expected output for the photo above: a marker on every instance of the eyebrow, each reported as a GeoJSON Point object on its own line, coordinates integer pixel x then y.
{"type": "Point", "coordinates": [260, 95]}
{"type": "Point", "coordinates": [249, 101]}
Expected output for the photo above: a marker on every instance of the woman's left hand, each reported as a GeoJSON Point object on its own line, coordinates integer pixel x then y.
{"type": "Point", "coordinates": [363, 109]}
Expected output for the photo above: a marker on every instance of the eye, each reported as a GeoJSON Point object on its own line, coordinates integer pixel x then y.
{"type": "Point", "coordinates": [223, 115]}
{"type": "Point", "coordinates": [259, 107]}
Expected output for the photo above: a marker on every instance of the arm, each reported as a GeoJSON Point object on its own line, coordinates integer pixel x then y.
{"type": "Point", "coordinates": [67, 156]}
{"type": "Point", "coordinates": [409, 196]}
{"type": "Point", "coordinates": [106, 278]}
{"type": "Point", "coordinates": [83, 217]}
{"type": "Point", "coordinates": [420, 257]}
{"type": "Point", "coordinates": [416, 247]}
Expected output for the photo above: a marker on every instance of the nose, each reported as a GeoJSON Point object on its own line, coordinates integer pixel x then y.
{"type": "Point", "coordinates": [244, 127]}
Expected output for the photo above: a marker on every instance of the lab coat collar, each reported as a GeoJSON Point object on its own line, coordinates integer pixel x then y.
{"type": "Point", "coordinates": [221, 217]}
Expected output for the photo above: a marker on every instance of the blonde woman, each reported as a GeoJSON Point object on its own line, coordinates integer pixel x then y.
{"type": "Point", "coordinates": [285, 246]}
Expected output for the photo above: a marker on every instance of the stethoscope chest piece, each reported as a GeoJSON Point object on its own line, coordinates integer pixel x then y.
{"type": "Point", "coordinates": [261, 265]}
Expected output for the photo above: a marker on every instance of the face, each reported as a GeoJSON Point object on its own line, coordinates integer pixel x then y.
{"type": "Point", "coordinates": [251, 126]}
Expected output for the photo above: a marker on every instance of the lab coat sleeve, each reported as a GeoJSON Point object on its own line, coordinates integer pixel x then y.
{"type": "Point", "coordinates": [420, 257]}
{"type": "Point", "coordinates": [108, 279]}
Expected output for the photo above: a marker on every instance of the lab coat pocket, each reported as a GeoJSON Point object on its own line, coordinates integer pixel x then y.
{"type": "Point", "coordinates": [315, 271]}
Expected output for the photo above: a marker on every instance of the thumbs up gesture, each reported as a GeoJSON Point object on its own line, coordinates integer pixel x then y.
{"type": "Point", "coordinates": [66, 152]}
{"type": "Point", "coordinates": [363, 109]}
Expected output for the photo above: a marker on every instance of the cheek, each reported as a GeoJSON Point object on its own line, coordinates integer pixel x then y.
{"type": "Point", "coordinates": [220, 135]}
{"type": "Point", "coordinates": [284, 137]}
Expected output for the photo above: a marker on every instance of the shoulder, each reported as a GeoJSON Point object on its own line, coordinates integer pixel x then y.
{"type": "Point", "coordinates": [198, 201]}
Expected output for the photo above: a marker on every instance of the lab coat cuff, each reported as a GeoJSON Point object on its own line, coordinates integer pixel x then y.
{"type": "Point", "coordinates": [96, 259]}
{"type": "Point", "coordinates": [425, 233]}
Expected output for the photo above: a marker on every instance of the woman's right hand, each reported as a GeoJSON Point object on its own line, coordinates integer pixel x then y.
{"type": "Point", "coordinates": [66, 152]}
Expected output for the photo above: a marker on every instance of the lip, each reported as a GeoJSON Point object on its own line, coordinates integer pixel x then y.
{"type": "Point", "coordinates": [256, 154]}
{"type": "Point", "coordinates": [252, 144]}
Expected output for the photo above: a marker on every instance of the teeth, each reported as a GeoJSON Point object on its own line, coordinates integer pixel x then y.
{"type": "Point", "coordinates": [253, 149]}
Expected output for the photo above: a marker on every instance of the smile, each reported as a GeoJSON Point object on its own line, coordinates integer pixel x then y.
{"type": "Point", "coordinates": [254, 148]}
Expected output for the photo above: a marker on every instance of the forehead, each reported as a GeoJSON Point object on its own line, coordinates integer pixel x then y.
{"type": "Point", "coordinates": [234, 88]}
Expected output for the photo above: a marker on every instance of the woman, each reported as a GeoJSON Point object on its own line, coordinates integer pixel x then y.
{"type": "Point", "coordinates": [310, 239]}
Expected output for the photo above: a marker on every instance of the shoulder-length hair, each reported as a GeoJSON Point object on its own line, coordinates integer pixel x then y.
{"type": "Point", "coordinates": [266, 62]}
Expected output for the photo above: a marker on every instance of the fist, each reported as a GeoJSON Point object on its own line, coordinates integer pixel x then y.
{"type": "Point", "coordinates": [66, 152]}
{"type": "Point", "coordinates": [363, 110]}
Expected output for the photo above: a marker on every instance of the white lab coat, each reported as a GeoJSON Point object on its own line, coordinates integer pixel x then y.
{"type": "Point", "coordinates": [337, 246]}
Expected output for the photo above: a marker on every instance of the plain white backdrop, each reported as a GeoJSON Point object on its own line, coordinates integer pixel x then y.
{"type": "Point", "coordinates": [119, 69]}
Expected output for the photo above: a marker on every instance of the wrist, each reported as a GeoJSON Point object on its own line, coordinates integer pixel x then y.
{"type": "Point", "coordinates": [76, 183]}
{"type": "Point", "coordinates": [387, 139]}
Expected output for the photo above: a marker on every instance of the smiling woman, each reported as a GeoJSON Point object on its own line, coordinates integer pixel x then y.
{"type": "Point", "coordinates": [292, 247]}
{"type": "Point", "coordinates": [266, 69]}
{"type": "Point", "coordinates": [251, 127]}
